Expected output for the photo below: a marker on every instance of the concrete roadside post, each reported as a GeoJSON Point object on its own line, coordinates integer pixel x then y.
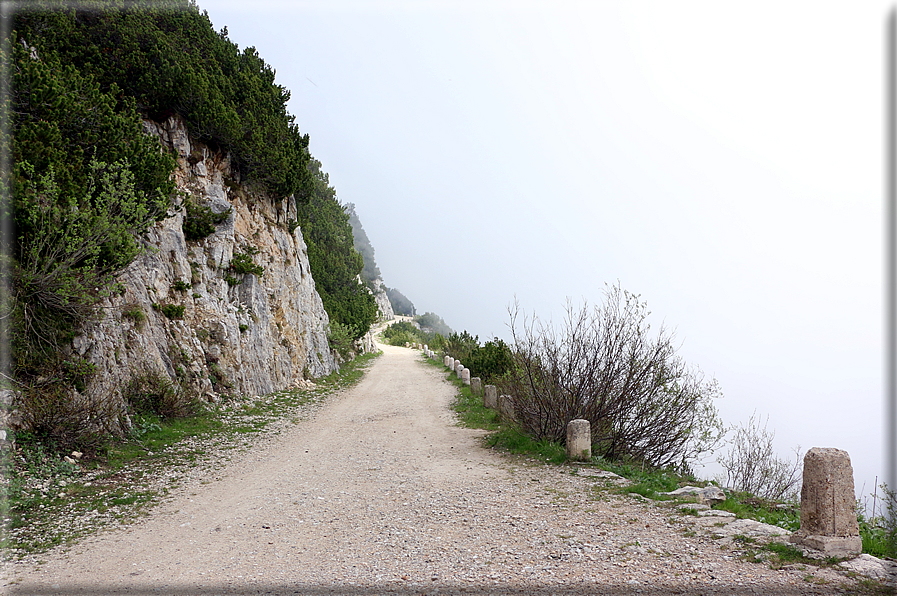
{"type": "Point", "coordinates": [506, 408]}
{"type": "Point", "coordinates": [476, 386]}
{"type": "Point", "coordinates": [465, 376]}
{"type": "Point", "coordinates": [579, 440]}
{"type": "Point", "coordinates": [490, 398]}
{"type": "Point", "coordinates": [828, 520]}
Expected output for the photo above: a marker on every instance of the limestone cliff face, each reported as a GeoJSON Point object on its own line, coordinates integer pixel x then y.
{"type": "Point", "coordinates": [260, 335]}
{"type": "Point", "coordinates": [384, 306]}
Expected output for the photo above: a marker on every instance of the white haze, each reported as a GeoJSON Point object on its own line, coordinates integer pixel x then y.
{"type": "Point", "coordinates": [723, 160]}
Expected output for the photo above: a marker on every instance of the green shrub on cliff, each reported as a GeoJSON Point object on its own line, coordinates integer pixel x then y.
{"type": "Point", "coordinates": [163, 58]}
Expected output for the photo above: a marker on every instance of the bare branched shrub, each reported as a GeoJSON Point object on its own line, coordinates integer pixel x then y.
{"type": "Point", "coordinates": [752, 465]}
{"type": "Point", "coordinates": [65, 418]}
{"type": "Point", "coordinates": [643, 402]}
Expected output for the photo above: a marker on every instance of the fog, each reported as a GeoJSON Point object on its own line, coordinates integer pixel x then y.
{"type": "Point", "coordinates": [725, 162]}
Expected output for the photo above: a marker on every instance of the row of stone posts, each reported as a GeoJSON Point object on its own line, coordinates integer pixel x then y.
{"type": "Point", "coordinates": [828, 521]}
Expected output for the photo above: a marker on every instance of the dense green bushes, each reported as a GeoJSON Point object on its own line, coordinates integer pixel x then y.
{"type": "Point", "coordinates": [489, 361]}
{"type": "Point", "coordinates": [200, 221]}
{"type": "Point", "coordinates": [335, 264]}
{"type": "Point", "coordinates": [397, 334]}
{"type": "Point", "coordinates": [163, 58]}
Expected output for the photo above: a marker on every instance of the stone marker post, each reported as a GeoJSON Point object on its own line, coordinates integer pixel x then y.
{"type": "Point", "coordinates": [579, 440]}
{"type": "Point", "coordinates": [506, 408]}
{"type": "Point", "coordinates": [828, 519]}
{"type": "Point", "coordinates": [451, 363]}
{"type": "Point", "coordinates": [465, 376]}
{"type": "Point", "coordinates": [490, 398]}
{"type": "Point", "coordinates": [458, 368]}
{"type": "Point", "coordinates": [445, 360]}
{"type": "Point", "coordinates": [476, 385]}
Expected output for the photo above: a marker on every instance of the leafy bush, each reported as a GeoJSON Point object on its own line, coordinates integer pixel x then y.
{"type": "Point", "coordinates": [68, 251]}
{"type": "Point", "coordinates": [242, 263]}
{"type": "Point", "coordinates": [152, 392]}
{"type": "Point", "coordinates": [752, 466]}
{"type": "Point", "coordinates": [461, 345]}
{"type": "Point", "coordinates": [400, 332]}
{"type": "Point", "coordinates": [341, 339]}
{"type": "Point", "coordinates": [171, 311]}
{"type": "Point", "coordinates": [181, 286]}
{"type": "Point", "coordinates": [643, 402]}
{"type": "Point", "coordinates": [200, 221]}
{"type": "Point", "coordinates": [166, 57]}
{"type": "Point", "coordinates": [490, 361]}
{"type": "Point", "coordinates": [135, 313]}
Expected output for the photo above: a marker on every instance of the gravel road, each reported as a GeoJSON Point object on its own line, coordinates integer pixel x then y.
{"type": "Point", "coordinates": [380, 492]}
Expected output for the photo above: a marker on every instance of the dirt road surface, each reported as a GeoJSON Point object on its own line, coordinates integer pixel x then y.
{"type": "Point", "coordinates": [381, 492]}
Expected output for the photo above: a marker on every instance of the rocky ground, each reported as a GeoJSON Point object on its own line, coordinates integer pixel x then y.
{"type": "Point", "coordinates": [380, 492]}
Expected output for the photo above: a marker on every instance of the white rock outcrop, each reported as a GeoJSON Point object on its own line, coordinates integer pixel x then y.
{"type": "Point", "coordinates": [260, 335]}
{"type": "Point", "coordinates": [384, 306]}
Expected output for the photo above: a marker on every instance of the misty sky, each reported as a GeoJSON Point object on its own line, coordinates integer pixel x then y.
{"type": "Point", "coordinates": [722, 160]}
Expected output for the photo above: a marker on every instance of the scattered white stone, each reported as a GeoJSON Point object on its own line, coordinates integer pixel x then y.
{"type": "Point", "coordinates": [695, 506]}
{"type": "Point", "coordinates": [77, 454]}
{"type": "Point", "coordinates": [873, 567]}
{"type": "Point", "coordinates": [752, 528]}
{"type": "Point", "coordinates": [715, 513]}
{"type": "Point", "coordinates": [69, 460]}
{"type": "Point", "coordinates": [709, 495]}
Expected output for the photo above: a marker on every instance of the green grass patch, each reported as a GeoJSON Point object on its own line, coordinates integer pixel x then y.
{"type": "Point", "coordinates": [469, 407]}
{"type": "Point", "coordinates": [747, 506]}
{"type": "Point", "coordinates": [786, 553]}
{"type": "Point", "coordinates": [512, 439]}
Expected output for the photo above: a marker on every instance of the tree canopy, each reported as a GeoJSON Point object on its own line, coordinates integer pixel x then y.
{"type": "Point", "coordinates": [164, 57]}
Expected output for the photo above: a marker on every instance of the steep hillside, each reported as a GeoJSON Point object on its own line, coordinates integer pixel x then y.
{"type": "Point", "coordinates": [184, 311]}
{"type": "Point", "coordinates": [370, 274]}
{"type": "Point", "coordinates": [169, 218]}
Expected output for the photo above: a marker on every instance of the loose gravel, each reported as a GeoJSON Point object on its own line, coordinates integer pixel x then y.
{"type": "Point", "coordinates": [380, 492]}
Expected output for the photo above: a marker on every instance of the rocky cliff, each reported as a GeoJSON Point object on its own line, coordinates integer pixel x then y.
{"type": "Point", "coordinates": [183, 313]}
{"type": "Point", "coordinates": [384, 306]}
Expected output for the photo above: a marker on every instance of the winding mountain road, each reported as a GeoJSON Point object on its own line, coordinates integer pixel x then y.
{"type": "Point", "coordinates": [381, 492]}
